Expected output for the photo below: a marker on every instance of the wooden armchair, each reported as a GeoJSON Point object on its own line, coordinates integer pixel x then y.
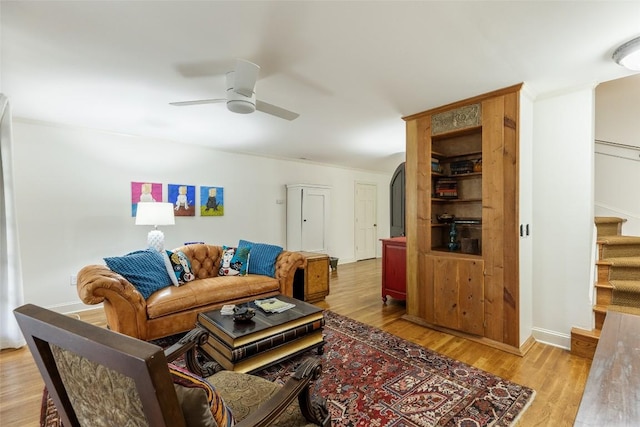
{"type": "Point", "coordinates": [99, 377]}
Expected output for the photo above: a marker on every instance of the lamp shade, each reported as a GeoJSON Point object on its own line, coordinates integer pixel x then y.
{"type": "Point", "coordinates": [628, 55]}
{"type": "Point", "coordinates": [155, 213]}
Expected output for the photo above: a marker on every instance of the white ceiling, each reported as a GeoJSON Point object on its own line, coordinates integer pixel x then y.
{"type": "Point", "coordinates": [351, 69]}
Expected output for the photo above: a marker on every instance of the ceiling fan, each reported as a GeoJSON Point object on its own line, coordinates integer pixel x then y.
{"type": "Point", "coordinates": [241, 95]}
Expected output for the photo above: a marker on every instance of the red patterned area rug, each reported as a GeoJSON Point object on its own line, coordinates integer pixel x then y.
{"type": "Point", "coordinates": [373, 378]}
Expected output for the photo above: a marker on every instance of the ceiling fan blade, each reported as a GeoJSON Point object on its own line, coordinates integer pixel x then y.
{"type": "Point", "coordinates": [276, 111]}
{"type": "Point", "coordinates": [201, 101]}
{"type": "Point", "coordinates": [245, 77]}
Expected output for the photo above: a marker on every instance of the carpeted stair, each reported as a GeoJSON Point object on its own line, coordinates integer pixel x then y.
{"type": "Point", "coordinates": [618, 281]}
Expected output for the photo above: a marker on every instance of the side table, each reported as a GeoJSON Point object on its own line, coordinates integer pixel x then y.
{"type": "Point", "coordinates": [312, 284]}
{"type": "Point", "coordinates": [394, 268]}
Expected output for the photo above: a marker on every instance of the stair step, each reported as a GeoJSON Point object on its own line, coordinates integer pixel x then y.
{"type": "Point", "coordinates": [602, 309]}
{"type": "Point", "coordinates": [604, 293]}
{"type": "Point", "coordinates": [618, 246]}
{"type": "Point", "coordinates": [584, 342]}
{"type": "Point", "coordinates": [627, 268]}
{"type": "Point", "coordinates": [625, 309]}
{"type": "Point", "coordinates": [608, 225]}
{"type": "Point", "coordinates": [626, 293]}
{"type": "Point", "coordinates": [609, 220]}
{"type": "Point", "coordinates": [630, 286]}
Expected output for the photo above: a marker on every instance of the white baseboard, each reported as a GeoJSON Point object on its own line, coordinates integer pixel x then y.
{"type": "Point", "coordinates": [72, 307]}
{"type": "Point", "coordinates": [553, 338]}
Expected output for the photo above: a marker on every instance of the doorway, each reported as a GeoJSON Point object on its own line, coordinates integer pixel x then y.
{"type": "Point", "coordinates": [366, 223]}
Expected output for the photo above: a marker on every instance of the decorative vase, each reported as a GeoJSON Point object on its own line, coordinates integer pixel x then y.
{"type": "Point", "coordinates": [453, 241]}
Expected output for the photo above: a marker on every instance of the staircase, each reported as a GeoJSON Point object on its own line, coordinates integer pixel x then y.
{"type": "Point", "coordinates": [617, 284]}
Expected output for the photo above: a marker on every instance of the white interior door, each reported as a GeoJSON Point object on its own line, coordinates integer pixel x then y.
{"type": "Point", "coordinates": [366, 225]}
{"type": "Point", "coordinates": [314, 208]}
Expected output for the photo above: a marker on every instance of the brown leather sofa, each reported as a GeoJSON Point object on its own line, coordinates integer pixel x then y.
{"type": "Point", "coordinates": [174, 309]}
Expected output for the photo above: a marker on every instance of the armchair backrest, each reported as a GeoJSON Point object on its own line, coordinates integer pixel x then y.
{"type": "Point", "coordinates": [99, 377]}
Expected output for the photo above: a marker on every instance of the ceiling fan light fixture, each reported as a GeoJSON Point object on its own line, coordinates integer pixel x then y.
{"type": "Point", "coordinates": [628, 54]}
{"type": "Point", "coordinates": [240, 106]}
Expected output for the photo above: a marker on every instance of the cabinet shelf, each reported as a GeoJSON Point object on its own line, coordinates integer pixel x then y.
{"type": "Point", "coordinates": [441, 225]}
{"type": "Point", "coordinates": [442, 201]}
{"type": "Point", "coordinates": [457, 133]}
{"type": "Point", "coordinates": [457, 176]}
{"type": "Point", "coordinates": [473, 155]}
{"type": "Point", "coordinates": [441, 251]}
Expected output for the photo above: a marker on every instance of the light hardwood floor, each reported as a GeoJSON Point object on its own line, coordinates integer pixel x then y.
{"type": "Point", "coordinates": [557, 376]}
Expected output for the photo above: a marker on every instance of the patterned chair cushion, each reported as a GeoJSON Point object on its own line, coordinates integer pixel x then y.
{"type": "Point", "coordinates": [245, 393]}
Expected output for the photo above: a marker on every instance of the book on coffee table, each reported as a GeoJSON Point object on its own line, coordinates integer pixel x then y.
{"type": "Point", "coordinates": [267, 338]}
{"type": "Point", "coordinates": [273, 305]}
{"type": "Point", "coordinates": [275, 340]}
{"type": "Point", "coordinates": [268, 357]}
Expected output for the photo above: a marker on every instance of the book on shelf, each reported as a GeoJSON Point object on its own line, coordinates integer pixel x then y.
{"type": "Point", "coordinates": [461, 167]}
{"type": "Point", "coordinates": [257, 361]}
{"type": "Point", "coordinates": [248, 350]}
{"type": "Point", "coordinates": [273, 305]}
{"type": "Point", "coordinates": [237, 334]}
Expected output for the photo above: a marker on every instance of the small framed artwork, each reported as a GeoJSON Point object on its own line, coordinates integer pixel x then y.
{"type": "Point", "coordinates": [144, 192]}
{"type": "Point", "coordinates": [211, 201]}
{"type": "Point", "coordinates": [183, 198]}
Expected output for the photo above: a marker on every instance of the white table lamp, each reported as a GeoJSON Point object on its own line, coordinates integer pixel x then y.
{"type": "Point", "coordinates": [155, 213]}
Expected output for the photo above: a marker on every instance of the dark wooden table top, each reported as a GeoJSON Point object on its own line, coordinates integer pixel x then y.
{"type": "Point", "coordinates": [612, 394]}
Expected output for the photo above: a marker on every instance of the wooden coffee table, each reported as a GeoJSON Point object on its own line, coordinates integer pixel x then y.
{"type": "Point", "coordinates": [266, 339]}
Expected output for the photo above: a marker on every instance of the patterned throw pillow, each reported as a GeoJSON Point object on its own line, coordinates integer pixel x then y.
{"type": "Point", "coordinates": [241, 257]}
{"type": "Point", "coordinates": [262, 259]}
{"type": "Point", "coordinates": [218, 408]}
{"type": "Point", "coordinates": [226, 267]}
{"type": "Point", "coordinates": [144, 269]}
{"type": "Point", "coordinates": [181, 267]}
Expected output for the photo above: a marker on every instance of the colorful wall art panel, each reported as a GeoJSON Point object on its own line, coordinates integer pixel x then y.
{"type": "Point", "coordinates": [144, 192]}
{"type": "Point", "coordinates": [183, 198]}
{"type": "Point", "coordinates": [211, 201]}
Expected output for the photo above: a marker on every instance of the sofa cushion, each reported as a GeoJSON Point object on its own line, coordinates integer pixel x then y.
{"type": "Point", "coordinates": [227, 268]}
{"type": "Point", "coordinates": [241, 258]}
{"type": "Point", "coordinates": [145, 270]}
{"type": "Point", "coordinates": [169, 267]}
{"type": "Point", "coordinates": [181, 267]}
{"type": "Point", "coordinates": [203, 292]}
{"type": "Point", "coordinates": [262, 259]}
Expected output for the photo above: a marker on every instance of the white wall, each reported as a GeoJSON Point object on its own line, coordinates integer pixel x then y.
{"type": "Point", "coordinates": [617, 170]}
{"type": "Point", "coordinates": [73, 191]}
{"type": "Point", "coordinates": [525, 189]}
{"type": "Point", "coordinates": [563, 152]}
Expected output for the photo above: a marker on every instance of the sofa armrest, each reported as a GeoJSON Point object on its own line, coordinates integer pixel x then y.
{"type": "Point", "coordinates": [286, 265]}
{"type": "Point", "coordinates": [124, 306]}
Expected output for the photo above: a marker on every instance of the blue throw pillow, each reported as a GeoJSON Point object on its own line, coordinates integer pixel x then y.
{"type": "Point", "coordinates": [262, 259]}
{"type": "Point", "coordinates": [144, 269]}
{"type": "Point", "coordinates": [240, 259]}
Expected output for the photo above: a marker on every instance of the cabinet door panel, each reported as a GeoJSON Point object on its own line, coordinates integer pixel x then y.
{"type": "Point", "coordinates": [313, 220]}
{"type": "Point", "coordinates": [317, 277]}
{"type": "Point", "coordinates": [458, 287]}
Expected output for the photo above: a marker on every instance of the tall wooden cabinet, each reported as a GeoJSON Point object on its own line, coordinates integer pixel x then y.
{"type": "Point", "coordinates": [462, 219]}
